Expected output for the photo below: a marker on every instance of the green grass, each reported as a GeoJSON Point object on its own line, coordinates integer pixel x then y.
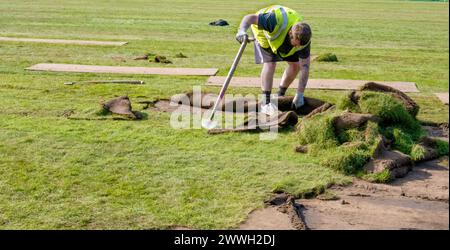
{"type": "Point", "coordinates": [387, 109]}
{"type": "Point", "coordinates": [381, 177]}
{"type": "Point", "coordinates": [327, 57]}
{"type": "Point", "coordinates": [61, 173]}
{"type": "Point", "coordinates": [417, 152]}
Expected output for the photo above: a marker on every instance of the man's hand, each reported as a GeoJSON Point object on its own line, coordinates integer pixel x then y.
{"type": "Point", "coordinates": [248, 20]}
{"type": "Point", "coordinates": [241, 36]}
{"type": "Point", "coordinates": [298, 101]}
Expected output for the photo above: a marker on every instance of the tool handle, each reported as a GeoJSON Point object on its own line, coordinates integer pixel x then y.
{"type": "Point", "coordinates": [229, 76]}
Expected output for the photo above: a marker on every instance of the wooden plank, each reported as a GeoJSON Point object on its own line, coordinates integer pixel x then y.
{"type": "Point", "coordinates": [122, 70]}
{"type": "Point", "coordinates": [61, 41]}
{"type": "Point", "coordinates": [443, 97]}
{"type": "Point", "coordinates": [334, 84]}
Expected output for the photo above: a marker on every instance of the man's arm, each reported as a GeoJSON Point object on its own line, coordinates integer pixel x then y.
{"type": "Point", "coordinates": [247, 21]}
{"type": "Point", "coordinates": [304, 73]}
{"type": "Point", "coordinates": [304, 76]}
{"type": "Point", "coordinates": [245, 24]}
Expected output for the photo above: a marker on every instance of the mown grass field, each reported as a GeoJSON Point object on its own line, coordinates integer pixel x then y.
{"type": "Point", "coordinates": [57, 173]}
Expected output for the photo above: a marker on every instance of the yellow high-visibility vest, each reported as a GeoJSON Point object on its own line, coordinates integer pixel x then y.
{"type": "Point", "coordinates": [286, 18]}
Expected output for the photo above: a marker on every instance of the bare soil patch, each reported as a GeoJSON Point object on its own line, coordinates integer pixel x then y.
{"type": "Point", "coordinates": [417, 201]}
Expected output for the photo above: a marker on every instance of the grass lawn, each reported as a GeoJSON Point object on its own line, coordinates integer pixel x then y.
{"type": "Point", "coordinates": [57, 173]}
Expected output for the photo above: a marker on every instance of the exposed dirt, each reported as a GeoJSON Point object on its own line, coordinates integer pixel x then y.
{"type": "Point", "coordinates": [164, 106]}
{"type": "Point", "coordinates": [417, 201]}
{"type": "Point", "coordinates": [352, 120]}
{"type": "Point", "coordinates": [396, 162]}
{"type": "Point", "coordinates": [122, 106]}
{"type": "Point", "coordinates": [168, 106]}
{"type": "Point", "coordinates": [440, 131]}
{"type": "Point", "coordinates": [268, 219]}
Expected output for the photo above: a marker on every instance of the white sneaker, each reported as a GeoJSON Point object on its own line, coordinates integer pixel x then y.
{"type": "Point", "coordinates": [269, 109]}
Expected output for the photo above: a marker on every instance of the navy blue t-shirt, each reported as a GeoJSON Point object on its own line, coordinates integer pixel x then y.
{"type": "Point", "coordinates": [268, 21]}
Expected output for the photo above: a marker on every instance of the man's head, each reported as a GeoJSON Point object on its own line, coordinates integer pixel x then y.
{"type": "Point", "coordinates": [300, 34]}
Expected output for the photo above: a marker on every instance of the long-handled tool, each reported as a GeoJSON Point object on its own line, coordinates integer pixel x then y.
{"type": "Point", "coordinates": [107, 81]}
{"type": "Point", "coordinates": [209, 123]}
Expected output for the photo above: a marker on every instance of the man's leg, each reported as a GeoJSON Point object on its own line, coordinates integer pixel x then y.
{"type": "Point", "coordinates": [267, 74]}
{"type": "Point", "coordinates": [289, 76]}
